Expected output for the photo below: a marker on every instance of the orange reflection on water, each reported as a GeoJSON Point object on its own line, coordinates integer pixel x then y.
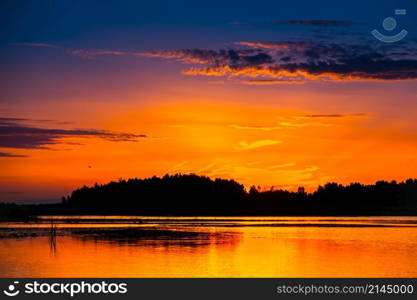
{"type": "Point", "coordinates": [231, 251]}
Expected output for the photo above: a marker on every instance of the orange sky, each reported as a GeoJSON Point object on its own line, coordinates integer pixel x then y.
{"type": "Point", "coordinates": [269, 97]}
{"type": "Point", "coordinates": [255, 141]}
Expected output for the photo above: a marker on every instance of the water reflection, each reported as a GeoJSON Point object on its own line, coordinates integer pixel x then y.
{"type": "Point", "coordinates": [52, 237]}
{"type": "Point", "coordinates": [151, 237]}
{"type": "Point", "coordinates": [226, 247]}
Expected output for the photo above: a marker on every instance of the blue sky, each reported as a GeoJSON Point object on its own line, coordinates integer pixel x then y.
{"type": "Point", "coordinates": [185, 23]}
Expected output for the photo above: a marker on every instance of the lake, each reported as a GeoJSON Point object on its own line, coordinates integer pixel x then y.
{"type": "Point", "coordinates": [118, 246]}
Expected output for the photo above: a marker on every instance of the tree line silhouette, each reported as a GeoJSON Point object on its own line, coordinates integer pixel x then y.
{"type": "Point", "coordinates": [187, 195]}
{"type": "Point", "coordinates": [193, 195]}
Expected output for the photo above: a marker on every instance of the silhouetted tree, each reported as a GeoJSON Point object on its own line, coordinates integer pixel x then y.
{"type": "Point", "coordinates": [199, 195]}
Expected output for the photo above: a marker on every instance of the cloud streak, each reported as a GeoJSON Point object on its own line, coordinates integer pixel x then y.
{"type": "Point", "coordinates": [265, 63]}
{"type": "Point", "coordinates": [82, 53]}
{"type": "Point", "coordinates": [14, 133]}
{"type": "Point", "coordinates": [334, 115]}
{"type": "Point", "coordinates": [85, 53]}
{"type": "Point", "coordinates": [241, 58]}
{"type": "Point", "coordinates": [270, 82]}
{"type": "Point", "coordinates": [260, 128]}
{"type": "Point", "coordinates": [6, 154]}
{"type": "Point", "coordinates": [39, 45]}
{"type": "Point", "coordinates": [256, 144]}
{"type": "Point", "coordinates": [286, 62]}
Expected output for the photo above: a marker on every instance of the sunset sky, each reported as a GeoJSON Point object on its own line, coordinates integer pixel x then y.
{"type": "Point", "coordinates": [270, 93]}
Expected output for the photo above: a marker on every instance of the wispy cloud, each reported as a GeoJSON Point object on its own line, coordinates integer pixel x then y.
{"type": "Point", "coordinates": [266, 45]}
{"type": "Point", "coordinates": [15, 133]}
{"type": "Point", "coordinates": [85, 53]}
{"type": "Point", "coordinates": [6, 154]}
{"type": "Point", "coordinates": [291, 122]}
{"type": "Point", "coordinates": [252, 127]}
{"type": "Point", "coordinates": [281, 166]}
{"type": "Point", "coordinates": [271, 82]}
{"type": "Point", "coordinates": [212, 57]}
{"type": "Point", "coordinates": [8, 121]}
{"type": "Point", "coordinates": [256, 144]}
{"type": "Point", "coordinates": [333, 115]}
{"type": "Point", "coordinates": [286, 62]}
{"type": "Point", "coordinates": [41, 45]}
{"type": "Point", "coordinates": [297, 125]}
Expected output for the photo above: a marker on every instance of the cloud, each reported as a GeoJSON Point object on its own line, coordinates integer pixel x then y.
{"type": "Point", "coordinates": [8, 121]}
{"type": "Point", "coordinates": [298, 125]}
{"type": "Point", "coordinates": [85, 53]}
{"type": "Point", "coordinates": [261, 128]}
{"type": "Point", "coordinates": [298, 62]}
{"type": "Point", "coordinates": [321, 23]}
{"type": "Point", "coordinates": [233, 57]}
{"type": "Point", "coordinates": [333, 115]}
{"type": "Point", "coordinates": [296, 122]}
{"type": "Point", "coordinates": [6, 154]}
{"type": "Point", "coordinates": [285, 62]}
{"type": "Point", "coordinates": [15, 133]}
{"type": "Point", "coordinates": [290, 124]}
{"type": "Point", "coordinates": [256, 144]}
{"type": "Point", "coordinates": [266, 45]}
{"type": "Point", "coordinates": [271, 82]}
{"type": "Point", "coordinates": [41, 45]}
{"type": "Point", "coordinates": [281, 166]}
{"type": "Point", "coordinates": [197, 56]}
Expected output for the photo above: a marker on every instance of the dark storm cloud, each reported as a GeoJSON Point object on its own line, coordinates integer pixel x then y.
{"type": "Point", "coordinates": [14, 133]}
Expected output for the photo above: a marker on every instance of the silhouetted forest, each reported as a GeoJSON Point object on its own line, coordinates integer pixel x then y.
{"type": "Point", "coordinates": [198, 195]}
{"type": "Point", "coordinates": [169, 195]}
{"type": "Point", "coordinates": [192, 195]}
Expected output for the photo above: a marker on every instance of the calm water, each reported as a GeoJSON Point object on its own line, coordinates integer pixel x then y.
{"type": "Point", "coordinates": [210, 247]}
